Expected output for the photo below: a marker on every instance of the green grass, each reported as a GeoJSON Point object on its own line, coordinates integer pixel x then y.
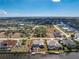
{"type": "Point", "coordinates": [56, 51]}
{"type": "Point", "coordinates": [21, 49]}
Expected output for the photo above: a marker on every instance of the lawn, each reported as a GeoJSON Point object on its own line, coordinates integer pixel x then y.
{"type": "Point", "coordinates": [56, 51]}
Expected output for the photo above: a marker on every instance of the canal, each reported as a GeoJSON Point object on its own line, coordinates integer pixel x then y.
{"type": "Point", "coordinates": [48, 56]}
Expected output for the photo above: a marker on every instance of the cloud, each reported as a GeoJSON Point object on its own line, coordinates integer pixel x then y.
{"type": "Point", "coordinates": [3, 13]}
{"type": "Point", "coordinates": [56, 0]}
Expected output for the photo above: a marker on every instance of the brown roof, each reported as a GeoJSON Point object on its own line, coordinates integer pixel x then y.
{"type": "Point", "coordinates": [9, 42]}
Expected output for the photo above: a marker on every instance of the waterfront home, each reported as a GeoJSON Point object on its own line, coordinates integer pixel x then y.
{"type": "Point", "coordinates": [38, 45]}
{"type": "Point", "coordinates": [7, 44]}
{"type": "Point", "coordinates": [53, 45]}
{"type": "Point", "coordinates": [41, 43]}
{"type": "Point", "coordinates": [35, 46]}
{"type": "Point", "coordinates": [69, 43]}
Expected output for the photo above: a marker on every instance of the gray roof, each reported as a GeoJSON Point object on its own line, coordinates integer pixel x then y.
{"type": "Point", "coordinates": [68, 42]}
{"type": "Point", "coordinates": [53, 43]}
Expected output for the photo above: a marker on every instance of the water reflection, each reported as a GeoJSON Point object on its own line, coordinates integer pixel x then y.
{"type": "Point", "coordinates": [49, 56]}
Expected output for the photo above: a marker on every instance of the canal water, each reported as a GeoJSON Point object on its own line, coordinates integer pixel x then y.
{"type": "Point", "coordinates": [49, 56]}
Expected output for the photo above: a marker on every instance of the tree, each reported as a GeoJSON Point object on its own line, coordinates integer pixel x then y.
{"type": "Point", "coordinates": [26, 31]}
{"type": "Point", "coordinates": [40, 31]}
{"type": "Point", "coordinates": [8, 33]}
{"type": "Point", "coordinates": [23, 42]}
{"type": "Point", "coordinates": [72, 36]}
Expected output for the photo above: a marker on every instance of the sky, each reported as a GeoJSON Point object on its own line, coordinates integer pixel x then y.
{"type": "Point", "coordinates": [39, 8]}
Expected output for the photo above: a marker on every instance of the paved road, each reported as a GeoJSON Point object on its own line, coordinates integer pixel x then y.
{"type": "Point", "coordinates": [61, 30]}
{"type": "Point", "coordinates": [23, 38]}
